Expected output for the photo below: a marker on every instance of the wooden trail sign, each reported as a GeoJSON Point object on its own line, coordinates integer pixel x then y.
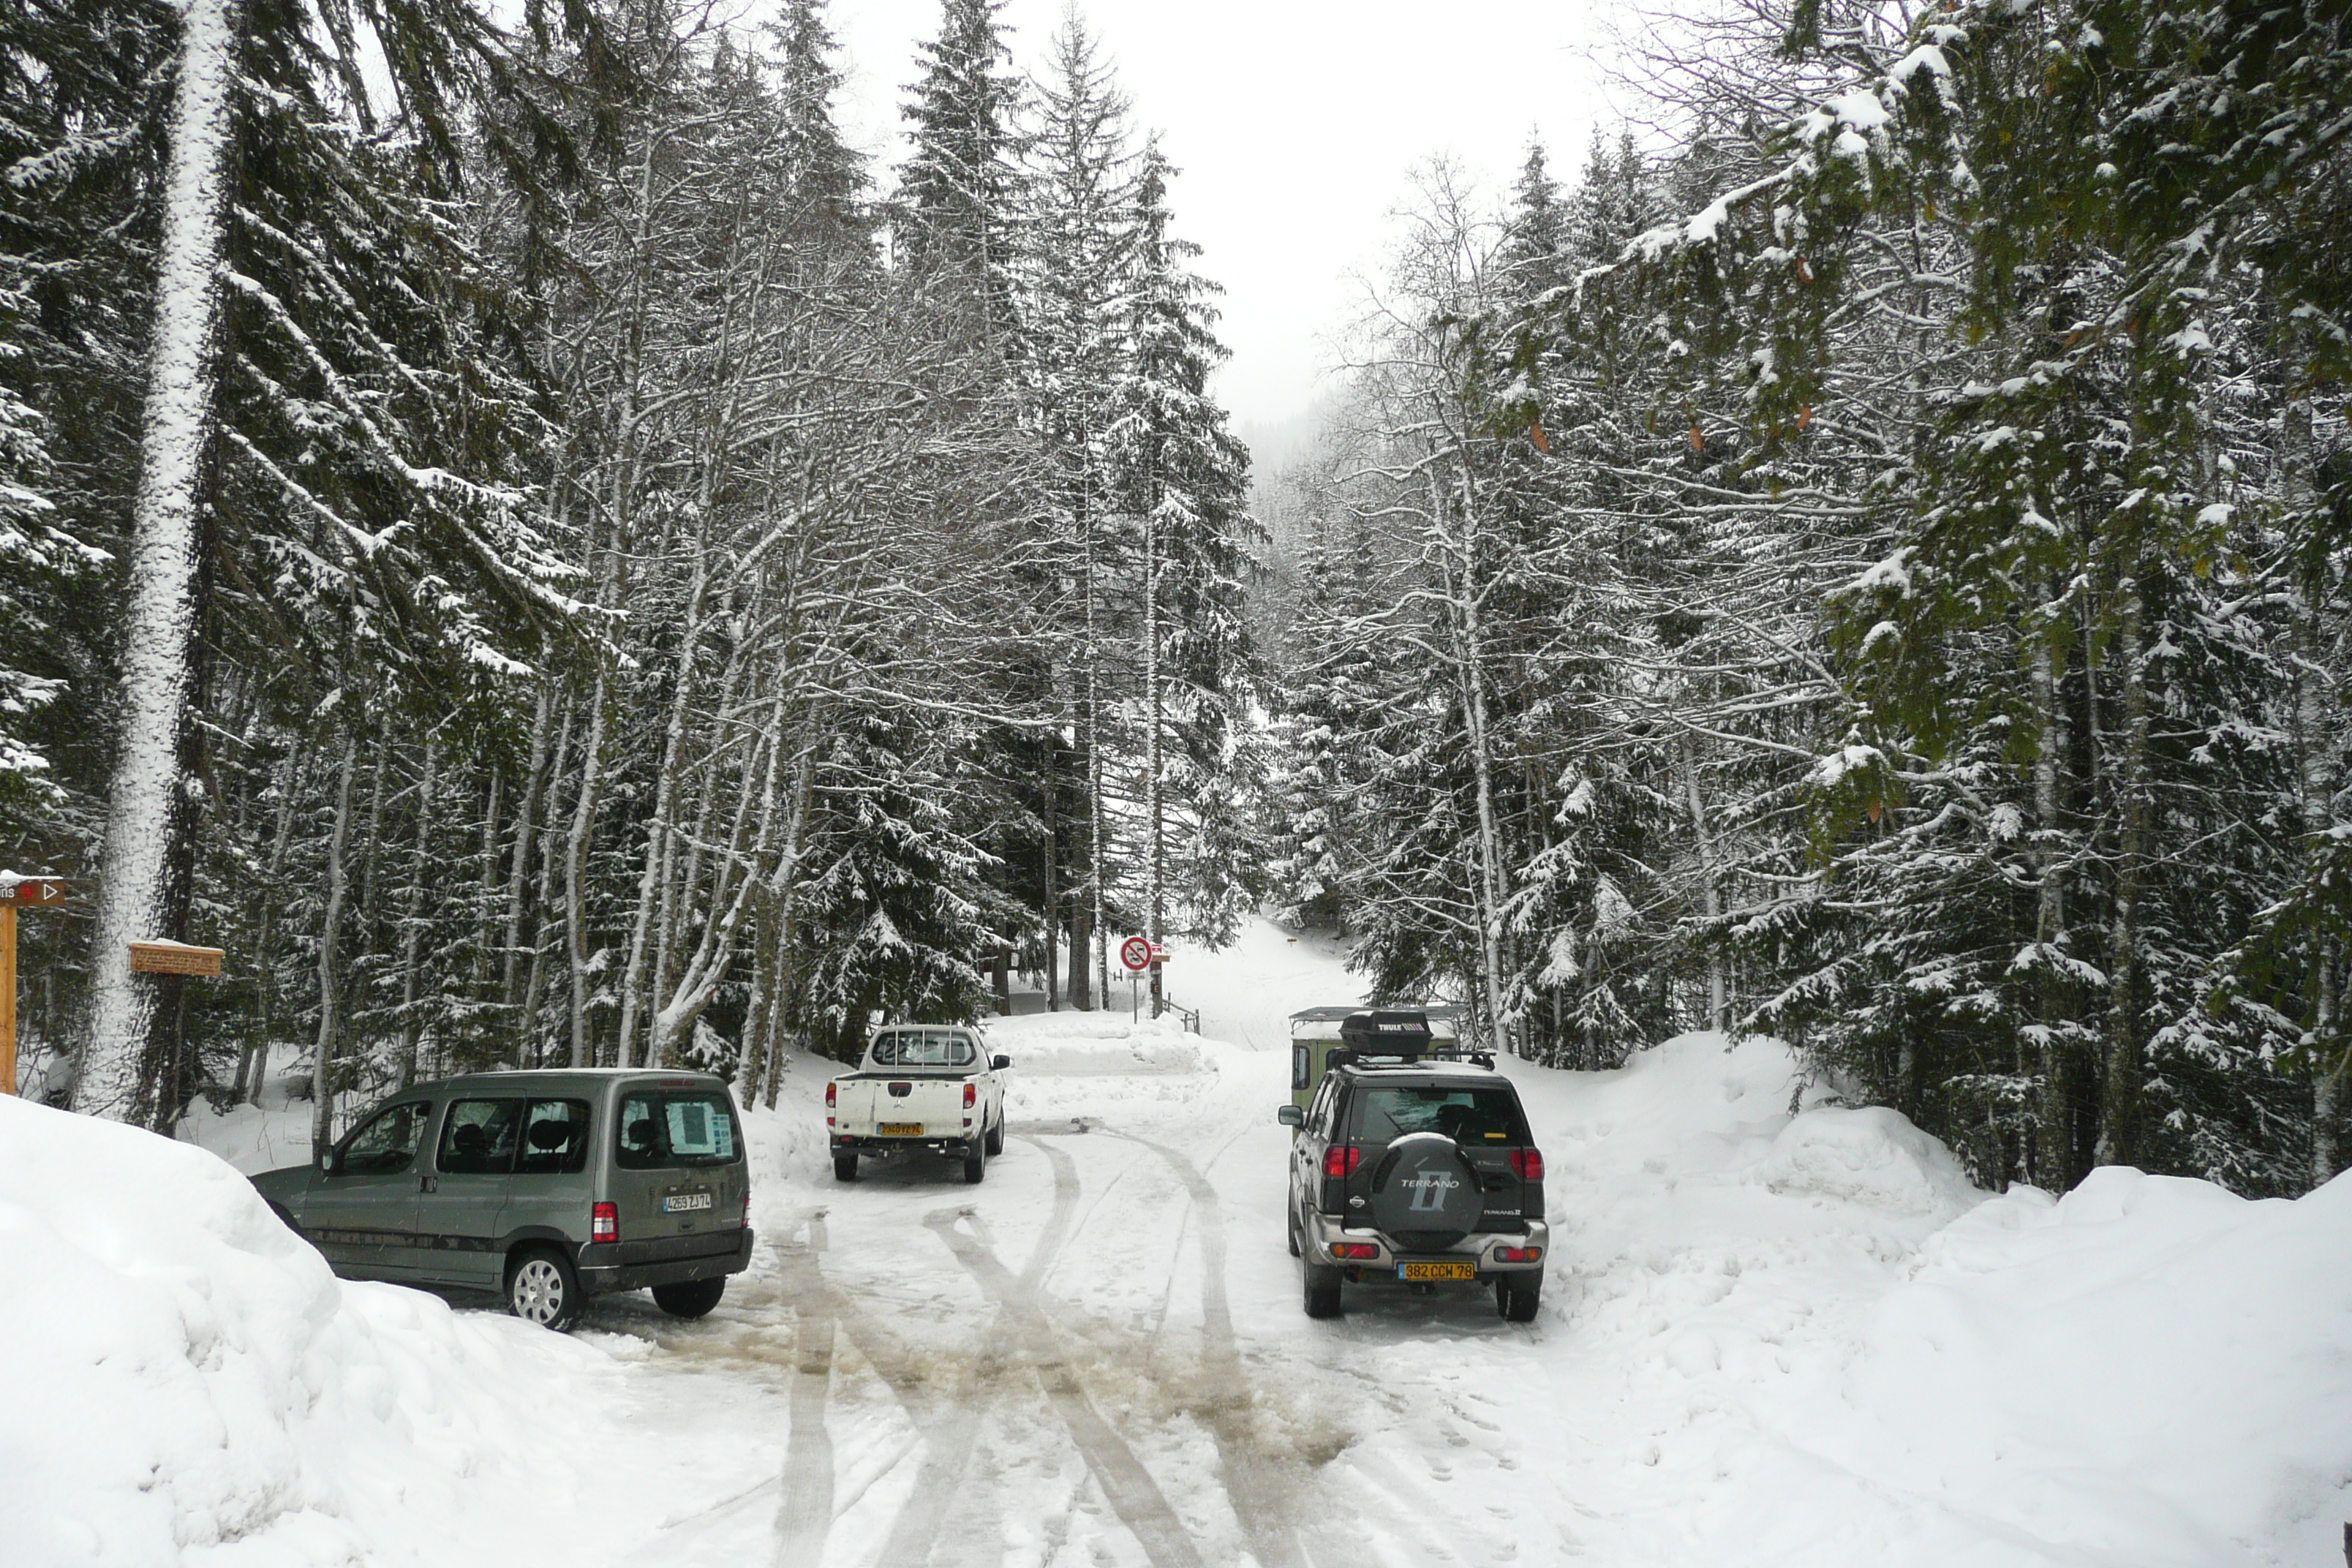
{"type": "Point", "coordinates": [175, 958]}
{"type": "Point", "coordinates": [18, 893]}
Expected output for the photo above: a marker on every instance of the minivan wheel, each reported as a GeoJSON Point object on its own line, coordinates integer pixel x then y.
{"type": "Point", "coordinates": [844, 1165]}
{"type": "Point", "coordinates": [1516, 1297]}
{"type": "Point", "coordinates": [975, 1163]}
{"type": "Point", "coordinates": [1322, 1292]}
{"type": "Point", "coordinates": [543, 1288]}
{"type": "Point", "coordinates": [693, 1299]}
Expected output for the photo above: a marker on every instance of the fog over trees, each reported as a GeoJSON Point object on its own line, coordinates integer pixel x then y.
{"type": "Point", "coordinates": [546, 554]}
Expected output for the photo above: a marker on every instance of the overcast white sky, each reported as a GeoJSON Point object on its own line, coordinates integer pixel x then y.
{"type": "Point", "coordinates": [1296, 124]}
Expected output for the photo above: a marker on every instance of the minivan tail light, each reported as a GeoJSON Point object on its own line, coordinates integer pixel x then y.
{"type": "Point", "coordinates": [605, 1222]}
{"type": "Point", "coordinates": [971, 1095]}
{"type": "Point", "coordinates": [1528, 1165]}
{"type": "Point", "coordinates": [1341, 1161]}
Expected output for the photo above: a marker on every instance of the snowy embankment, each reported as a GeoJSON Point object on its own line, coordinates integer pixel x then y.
{"type": "Point", "coordinates": [1806, 1340]}
{"type": "Point", "coordinates": [186, 1383]}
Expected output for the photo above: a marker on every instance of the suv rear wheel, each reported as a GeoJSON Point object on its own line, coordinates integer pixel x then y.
{"type": "Point", "coordinates": [694, 1298]}
{"type": "Point", "coordinates": [543, 1288]}
{"type": "Point", "coordinates": [1294, 1233]}
{"type": "Point", "coordinates": [1517, 1295]}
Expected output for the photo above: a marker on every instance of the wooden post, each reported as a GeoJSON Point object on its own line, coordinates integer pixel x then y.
{"type": "Point", "coordinates": [9, 997]}
{"type": "Point", "coordinates": [40, 893]}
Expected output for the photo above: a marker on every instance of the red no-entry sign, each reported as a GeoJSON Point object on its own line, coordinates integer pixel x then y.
{"type": "Point", "coordinates": [1136, 954]}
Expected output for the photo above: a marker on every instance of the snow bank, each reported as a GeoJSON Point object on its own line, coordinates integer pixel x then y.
{"type": "Point", "coordinates": [1872, 1155]}
{"type": "Point", "coordinates": [1071, 1043]}
{"type": "Point", "coordinates": [187, 1380]}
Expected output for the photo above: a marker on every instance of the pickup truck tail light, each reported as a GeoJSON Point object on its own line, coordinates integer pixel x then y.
{"type": "Point", "coordinates": [971, 1095]}
{"type": "Point", "coordinates": [832, 1094]}
{"type": "Point", "coordinates": [1338, 1160]}
{"type": "Point", "coordinates": [605, 1221]}
{"type": "Point", "coordinates": [1528, 1165]}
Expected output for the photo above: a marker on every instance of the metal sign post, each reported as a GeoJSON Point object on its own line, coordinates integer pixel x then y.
{"type": "Point", "coordinates": [18, 893]}
{"type": "Point", "coordinates": [1136, 954]}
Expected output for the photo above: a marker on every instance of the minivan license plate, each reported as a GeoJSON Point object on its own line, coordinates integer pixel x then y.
{"type": "Point", "coordinates": [1437, 1271]}
{"type": "Point", "coordinates": [686, 1203]}
{"type": "Point", "coordinates": [901, 1129]}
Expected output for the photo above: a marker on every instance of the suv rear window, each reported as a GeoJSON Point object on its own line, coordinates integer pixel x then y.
{"type": "Point", "coordinates": [1470, 1115]}
{"type": "Point", "coordinates": [924, 1048]}
{"type": "Point", "coordinates": [668, 1130]}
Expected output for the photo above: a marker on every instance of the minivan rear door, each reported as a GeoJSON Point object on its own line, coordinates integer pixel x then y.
{"type": "Point", "coordinates": [457, 1212]}
{"type": "Point", "coordinates": [678, 1173]}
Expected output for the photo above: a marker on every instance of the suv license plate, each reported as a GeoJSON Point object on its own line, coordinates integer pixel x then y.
{"type": "Point", "coordinates": [1437, 1271]}
{"type": "Point", "coordinates": [901, 1129]}
{"type": "Point", "coordinates": [686, 1203]}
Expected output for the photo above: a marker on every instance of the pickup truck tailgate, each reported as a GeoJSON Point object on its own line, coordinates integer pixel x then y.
{"type": "Point", "coordinates": [900, 1107]}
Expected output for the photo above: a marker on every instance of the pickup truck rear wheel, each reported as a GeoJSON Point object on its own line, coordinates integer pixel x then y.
{"type": "Point", "coordinates": [975, 1163]}
{"type": "Point", "coordinates": [844, 1165]}
{"type": "Point", "coordinates": [996, 1137]}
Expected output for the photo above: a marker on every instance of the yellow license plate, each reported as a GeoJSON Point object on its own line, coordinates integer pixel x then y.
{"type": "Point", "coordinates": [1437, 1271]}
{"type": "Point", "coordinates": [901, 1129]}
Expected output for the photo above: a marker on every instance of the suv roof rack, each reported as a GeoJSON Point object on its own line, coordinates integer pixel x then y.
{"type": "Point", "coordinates": [1397, 1062]}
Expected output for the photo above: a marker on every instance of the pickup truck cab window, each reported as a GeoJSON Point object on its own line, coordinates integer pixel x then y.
{"type": "Point", "coordinates": [924, 1048]}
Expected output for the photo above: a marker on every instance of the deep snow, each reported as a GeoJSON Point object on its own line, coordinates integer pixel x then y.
{"type": "Point", "coordinates": [1777, 1331]}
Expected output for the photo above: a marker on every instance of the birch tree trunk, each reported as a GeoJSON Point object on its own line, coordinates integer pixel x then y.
{"type": "Point", "coordinates": [331, 928]}
{"type": "Point", "coordinates": [2315, 741]}
{"type": "Point", "coordinates": [160, 621]}
{"type": "Point", "coordinates": [1468, 645]}
{"type": "Point", "coordinates": [575, 871]}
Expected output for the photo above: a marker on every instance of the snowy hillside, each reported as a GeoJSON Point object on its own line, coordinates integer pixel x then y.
{"type": "Point", "coordinates": [1772, 1335]}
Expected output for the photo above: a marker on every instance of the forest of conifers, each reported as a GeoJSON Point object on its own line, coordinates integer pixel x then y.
{"type": "Point", "coordinates": [1859, 559]}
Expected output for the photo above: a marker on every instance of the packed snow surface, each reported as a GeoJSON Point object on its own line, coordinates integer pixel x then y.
{"type": "Point", "coordinates": [1777, 1330]}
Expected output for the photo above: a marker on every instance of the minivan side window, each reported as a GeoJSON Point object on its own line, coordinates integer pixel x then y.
{"type": "Point", "coordinates": [554, 1138]}
{"type": "Point", "coordinates": [385, 1144]}
{"type": "Point", "coordinates": [479, 1136]}
{"type": "Point", "coordinates": [668, 1130]}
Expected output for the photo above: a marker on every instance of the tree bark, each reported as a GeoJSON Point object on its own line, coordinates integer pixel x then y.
{"type": "Point", "coordinates": [2118, 1141]}
{"type": "Point", "coordinates": [330, 931]}
{"type": "Point", "coordinates": [161, 618]}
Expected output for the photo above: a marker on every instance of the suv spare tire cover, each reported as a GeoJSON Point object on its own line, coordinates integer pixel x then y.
{"type": "Point", "coordinates": [1425, 1192]}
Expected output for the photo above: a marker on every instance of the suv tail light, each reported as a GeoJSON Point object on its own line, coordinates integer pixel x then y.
{"type": "Point", "coordinates": [605, 1221]}
{"type": "Point", "coordinates": [1518, 1254]}
{"type": "Point", "coordinates": [971, 1095]}
{"type": "Point", "coordinates": [1528, 1165]}
{"type": "Point", "coordinates": [747, 1205]}
{"type": "Point", "coordinates": [1358, 1249]}
{"type": "Point", "coordinates": [1338, 1160]}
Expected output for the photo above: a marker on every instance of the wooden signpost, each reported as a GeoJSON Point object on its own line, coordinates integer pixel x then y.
{"type": "Point", "coordinates": [18, 893]}
{"type": "Point", "coordinates": [175, 958]}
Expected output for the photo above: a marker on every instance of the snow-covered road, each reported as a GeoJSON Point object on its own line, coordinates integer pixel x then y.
{"type": "Point", "coordinates": [1775, 1331]}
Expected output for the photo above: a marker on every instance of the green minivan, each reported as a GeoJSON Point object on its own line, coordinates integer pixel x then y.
{"type": "Point", "coordinates": [546, 1186]}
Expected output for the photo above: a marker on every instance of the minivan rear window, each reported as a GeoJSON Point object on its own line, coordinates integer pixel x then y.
{"type": "Point", "coordinates": [659, 1131]}
{"type": "Point", "coordinates": [924, 1048]}
{"type": "Point", "coordinates": [1471, 1116]}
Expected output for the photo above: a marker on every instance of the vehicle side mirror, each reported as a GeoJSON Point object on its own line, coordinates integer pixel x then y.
{"type": "Point", "coordinates": [998, 1064]}
{"type": "Point", "coordinates": [1291, 1116]}
{"type": "Point", "coordinates": [329, 1162]}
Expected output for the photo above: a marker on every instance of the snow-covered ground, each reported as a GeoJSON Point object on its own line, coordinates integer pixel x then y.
{"type": "Point", "coordinates": [1772, 1334]}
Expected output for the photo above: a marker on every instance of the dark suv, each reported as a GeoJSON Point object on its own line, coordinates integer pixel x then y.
{"type": "Point", "coordinates": [1415, 1171]}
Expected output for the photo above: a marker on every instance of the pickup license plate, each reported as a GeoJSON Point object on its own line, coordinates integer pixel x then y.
{"type": "Point", "coordinates": [1437, 1271]}
{"type": "Point", "coordinates": [899, 1129]}
{"type": "Point", "coordinates": [686, 1203]}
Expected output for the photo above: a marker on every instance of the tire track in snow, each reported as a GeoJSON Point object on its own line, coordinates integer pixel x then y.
{"type": "Point", "coordinates": [1255, 1484]}
{"type": "Point", "coordinates": [1133, 1495]}
{"type": "Point", "coordinates": [805, 1514]}
{"type": "Point", "coordinates": [948, 1441]}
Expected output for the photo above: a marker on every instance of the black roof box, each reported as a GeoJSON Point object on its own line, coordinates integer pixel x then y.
{"type": "Point", "coordinates": [1377, 1032]}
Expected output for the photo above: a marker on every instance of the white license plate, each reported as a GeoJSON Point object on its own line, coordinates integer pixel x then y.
{"type": "Point", "coordinates": [686, 1203]}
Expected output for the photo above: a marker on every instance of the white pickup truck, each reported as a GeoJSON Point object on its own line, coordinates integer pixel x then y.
{"type": "Point", "coordinates": [921, 1086]}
